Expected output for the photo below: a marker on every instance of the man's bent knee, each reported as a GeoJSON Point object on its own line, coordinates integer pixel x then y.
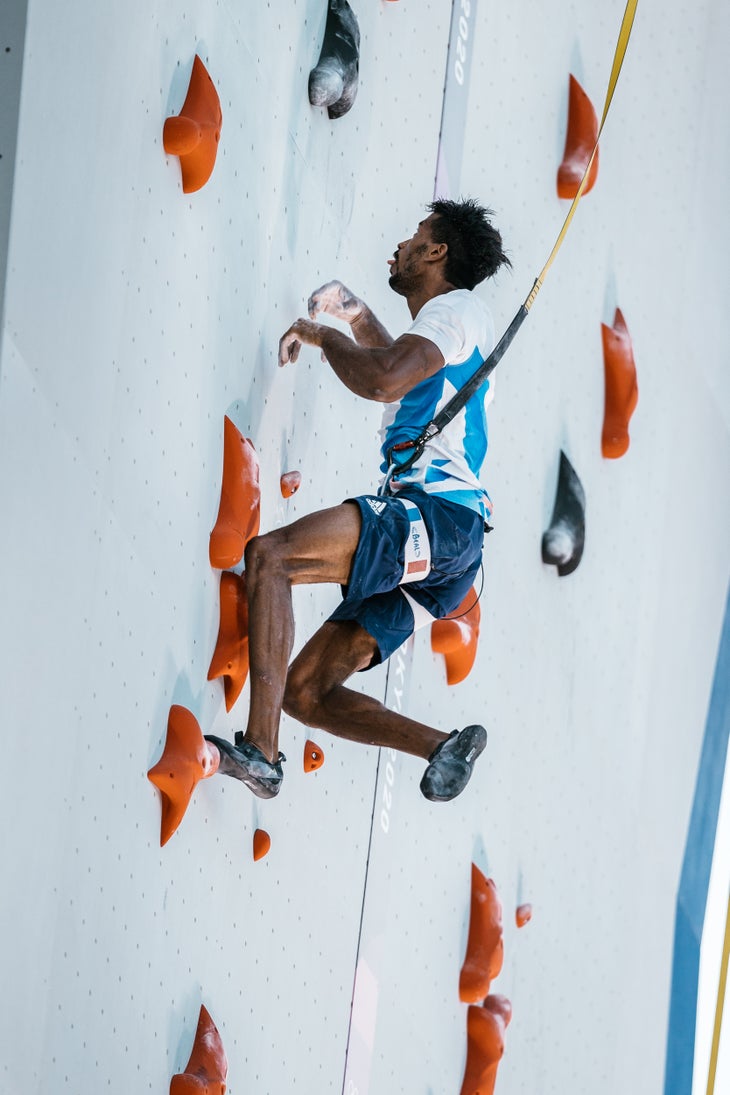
{"type": "Point", "coordinates": [332, 655]}
{"type": "Point", "coordinates": [317, 548]}
{"type": "Point", "coordinates": [265, 552]}
{"type": "Point", "coordinates": [302, 698]}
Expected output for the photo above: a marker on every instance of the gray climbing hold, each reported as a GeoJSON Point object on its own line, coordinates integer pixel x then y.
{"type": "Point", "coordinates": [562, 543]}
{"type": "Point", "coordinates": [333, 83]}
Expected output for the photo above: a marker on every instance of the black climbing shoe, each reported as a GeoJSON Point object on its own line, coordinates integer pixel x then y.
{"type": "Point", "coordinates": [451, 764]}
{"type": "Point", "coordinates": [246, 762]}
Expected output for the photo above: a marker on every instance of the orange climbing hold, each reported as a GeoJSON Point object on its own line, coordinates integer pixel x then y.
{"type": "Point", "coordinates": [230, 657]}
{"type": "Point", "coordinates": [580, 141]}
{"type": "Point", "coordinates": [239, 514]}
{"type": "Point", "coordinates": [290, 483]}
{"type": "Point", "coordinates": [485, 1028]}
{"type": "Point", "coordinates": [622, 392]}
{"type": "Point", "coordinates": [523, 915]}
{"type": "Point", "coordinates": [186, 759]}
{"type": "Point", "coordinates": [207, 1068]}
{"type": "Point", "coordinates": [261, 844]}
{"type": "Point", "coordinates": [457, 639]}
{"type": "Point", "coordinates": [485, 945]}
{"type": "Point", "coordinates": [194, 133]}
{"type": "Point", "coordinates": [313, 756]}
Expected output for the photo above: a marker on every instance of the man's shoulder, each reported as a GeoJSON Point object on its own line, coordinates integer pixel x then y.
{"type": "Point", "coordinates": [463, 303]}
{"type": "Point", "coordinates": [458, 322]}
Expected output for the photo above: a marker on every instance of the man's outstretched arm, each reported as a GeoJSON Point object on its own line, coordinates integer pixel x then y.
{"type": "Point", "coordinates": [383, 374]}
{"type": "Point", "coordinates": [337, 300]}
{"type": "Point", "coordinates": [375, 366]}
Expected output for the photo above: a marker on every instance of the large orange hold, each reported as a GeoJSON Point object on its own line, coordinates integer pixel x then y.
{"type": "Point", "coordinates": [207, 1068]}
{"type": "Point", "coordinates": [457, 639]}
{"type": "Point", "coordinates": [485, 945]}
{"type": "Point", "coordinates": [194, 133]}
{"type": "Point", "coordinates": [622, 391]}
{"type": "Point", "coordinates": [580, 140]}
{"type": "Point", "coordinates": [230, 657]}
{"type": "Point", "coordinates": [485, 1028]}
{"type": "Point", "coordinates": [186, 759]}
{"type": "Point", "coordinates": [239, 513]}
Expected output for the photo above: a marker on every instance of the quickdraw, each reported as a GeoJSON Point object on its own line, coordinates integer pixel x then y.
{"type": "Point", "coordinates": [397, 466]}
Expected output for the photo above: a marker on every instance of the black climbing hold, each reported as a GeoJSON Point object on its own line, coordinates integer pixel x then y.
{"type": "Point", "coordinates": [562, 543]}
{"type": "Point", "coordinates": [333, 83]}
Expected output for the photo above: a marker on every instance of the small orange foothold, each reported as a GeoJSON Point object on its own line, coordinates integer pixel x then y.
{"type": "Point", "coordinates": [261, 843]}
{"type": "Point", "coordinates": [313, 756]}
{"type": "Point", "coordinates": [485, 945]}
{"type": "Point", "coordinates": [239, 513]}
{"type": "Point", "coordinates": [523, 915]}
{"type": "Point", "coordinates": [457, 639]}
{"type": "Point", "coordinates": [485, 1028]}
{"type": "Point", "coordinates": [622, 392]}
{"type": "Point", "coordinates": [186, 759]}
{"type": "Point", "coordinates": [580, 141]}
{"type": "Point", "coordinates": [207, 1068]}
{"type": "Point", "coordinates": [290, 483]}
{"type": "Point", "coordinates": [230, 657]}
{"type": "Point", "coordinates": [193, 135]}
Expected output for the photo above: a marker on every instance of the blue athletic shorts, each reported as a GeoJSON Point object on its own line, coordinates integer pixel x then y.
{"type": "Point", "coordinates": [373, 596]}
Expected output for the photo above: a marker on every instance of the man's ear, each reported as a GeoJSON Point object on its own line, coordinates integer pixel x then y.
{"type": "Point", "coordinates": [437, 252]}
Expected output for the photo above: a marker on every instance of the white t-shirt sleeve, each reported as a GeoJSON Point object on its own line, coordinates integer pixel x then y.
{"type": "Point", "coordinates": [441, 322]}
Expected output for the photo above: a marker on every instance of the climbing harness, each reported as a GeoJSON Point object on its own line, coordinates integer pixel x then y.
{"type": "Point", "coordinates": [396, 465]}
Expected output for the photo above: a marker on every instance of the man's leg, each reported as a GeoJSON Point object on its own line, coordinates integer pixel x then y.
{"type": "Point", "coordinates": [321, 548]}
{"type": "Point", "coordinates": [315, 694]}
{"type": "Point", "coordinates": [317, 548]}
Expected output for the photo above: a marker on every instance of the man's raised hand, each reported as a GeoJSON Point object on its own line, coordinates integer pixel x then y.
{"type": "Point", "coordinates": [290, 343]}
{"type": "Point", "coordinates": [336, 300]}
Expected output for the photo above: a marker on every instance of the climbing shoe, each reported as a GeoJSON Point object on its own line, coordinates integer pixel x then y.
{"type": "Point", "coordinates": [452, 762]}
{"type": "Point", "coordinates": [246, 762]}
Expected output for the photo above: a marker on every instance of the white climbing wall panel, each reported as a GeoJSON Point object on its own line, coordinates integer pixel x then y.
{"type": "Point", "coordinates": [134, 319]}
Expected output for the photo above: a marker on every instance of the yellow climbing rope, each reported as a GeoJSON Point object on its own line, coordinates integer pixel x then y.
{"type": "Point", "coordinates": [714, 1053]}
{"type": "Point", "coordinates": [400, 464]}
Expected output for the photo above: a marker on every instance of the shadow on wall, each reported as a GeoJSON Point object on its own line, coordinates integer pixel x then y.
{"type": "Point", "coordinates": [11, 59]}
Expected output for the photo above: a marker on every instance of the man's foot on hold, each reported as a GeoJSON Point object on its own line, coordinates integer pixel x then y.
{"type": "Point", "coordinates": [452, 762]}
{"type": "Point", "coordinates": [246, 762]}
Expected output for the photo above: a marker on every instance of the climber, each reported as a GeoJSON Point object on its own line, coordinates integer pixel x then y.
{"type": "Point", "coordinates": [404, 557]}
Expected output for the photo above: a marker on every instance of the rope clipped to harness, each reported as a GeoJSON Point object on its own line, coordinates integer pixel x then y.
{"type": "Point", "coordinates": [397, 464]}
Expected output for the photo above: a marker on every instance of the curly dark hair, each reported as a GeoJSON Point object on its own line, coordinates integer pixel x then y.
{"type": "Point", "coordinates": [474, 244]}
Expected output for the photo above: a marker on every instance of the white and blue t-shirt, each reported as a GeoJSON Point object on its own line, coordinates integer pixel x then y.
{"type": "Point", "coordinates": [462, 328]}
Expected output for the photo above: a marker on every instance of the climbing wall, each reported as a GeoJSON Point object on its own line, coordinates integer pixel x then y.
{"type": "Point", "coordinates": [135, 317]}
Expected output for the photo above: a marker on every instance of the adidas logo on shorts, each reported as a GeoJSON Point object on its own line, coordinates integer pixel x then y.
{"type": "Point", "coordinates": [376, 507]}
